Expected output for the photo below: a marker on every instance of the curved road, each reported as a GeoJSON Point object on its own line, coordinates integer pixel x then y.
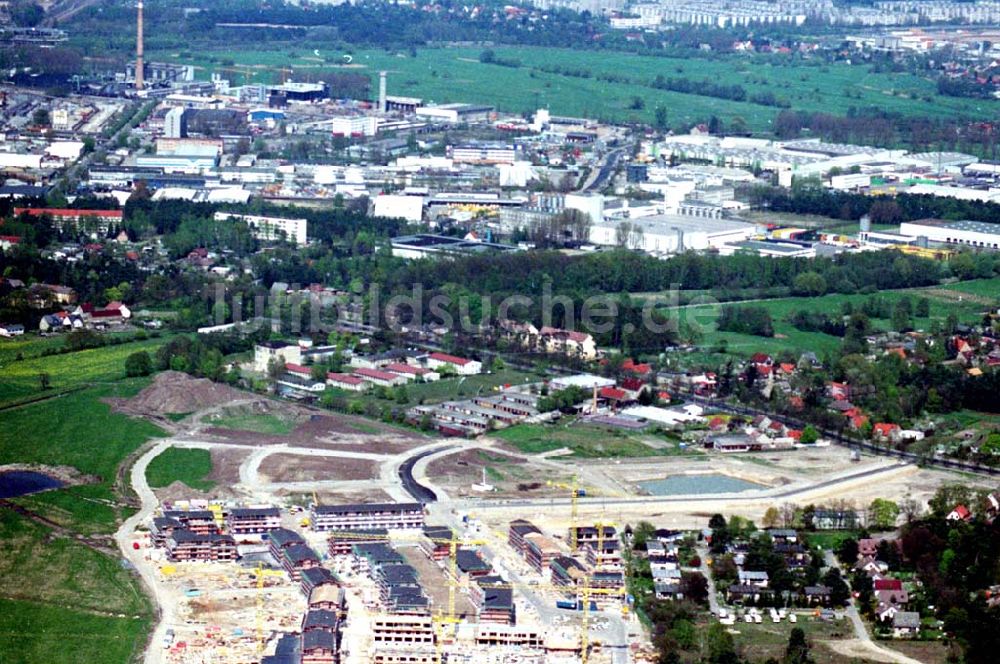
{"type": "Point", "coordinates": [419, 492]}
{"type": "Point", "coordinates": [147, 571]}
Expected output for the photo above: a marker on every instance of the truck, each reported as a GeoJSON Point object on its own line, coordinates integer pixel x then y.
{"type": "Point", "coordinates": [571, 605]}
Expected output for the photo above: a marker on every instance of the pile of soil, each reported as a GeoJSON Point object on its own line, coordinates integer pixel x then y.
{"type": "Point", "coordinates": [175, 392]}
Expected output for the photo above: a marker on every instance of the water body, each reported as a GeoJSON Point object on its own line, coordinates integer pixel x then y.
{"type": "Point", "coordinates": [16, 483]}
{"type": "Point", "coordinates": [681, 485]}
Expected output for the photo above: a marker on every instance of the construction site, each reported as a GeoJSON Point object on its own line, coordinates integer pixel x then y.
{"type": "Point", "coordinates": [328, 538]}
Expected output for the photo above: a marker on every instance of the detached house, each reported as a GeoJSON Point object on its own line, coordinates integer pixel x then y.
{"type": "Point", "coordinates": [567, 342]}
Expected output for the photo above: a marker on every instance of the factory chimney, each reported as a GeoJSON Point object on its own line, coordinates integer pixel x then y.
{"type": "Point", "coordinates": [139, 67]}
{"type": "Point", "coordinates": [382, 106]}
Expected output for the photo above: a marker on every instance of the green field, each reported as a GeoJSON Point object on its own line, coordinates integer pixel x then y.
{"type": "Point", "coordinates": [61, 601]}
{"type": "Point", "coordinates": [585, 440]}
{"type": "Point", "coordinates": [76, 430]}
{"type": "Point", "coordinates": [257, 422]}
{"type": "Point", "coordinates": [456, 74]}
{"type": "Point", "coordinates": [178, 464]}
{"type": "Point", "coordinates": [466, 386]}
{"type": "Point", "coordinates": [787, 337]}
{"type": "Point", "coordinates": [19, 379]}
{"type": "Point", "coordinates": [984, 288]}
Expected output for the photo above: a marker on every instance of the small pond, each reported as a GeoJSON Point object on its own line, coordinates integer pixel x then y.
{"type": "Point", "coordinates": [15, 483]}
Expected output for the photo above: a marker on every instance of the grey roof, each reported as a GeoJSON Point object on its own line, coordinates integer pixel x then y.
{"type": "Point", "coordinates": [283, 537]}
{"type": "Point", "coordinates": [963, 225]}
{"type": "Point", "coordinates": [314, 576]}
{"type": "Point", "coordinates": [817, 590]}
{"type": "Point", "coordinates": [363, 508]}
{"type": "Point", "coordinates": [299, 553]}
{"type": "Point", "coordinates": [906, 619]}
{"type": "Point", "coordinates": [318, 639]}
{"type": "Point", "coordinates": [319, 619]}
{"type": "Point", "coordinates": [190, 515]}
{"type": "Point", "coordinates": [470, 561]}
{"type": "Point", "coordinates": [253, 512]}
{"type": "Point", "coordinates": [401, 574]}
{"type": "Point", "coordinates": [288, 651]}
{"type": "Point", "coordinates": [498, 598]}
{"type": "Point", "coordinates": [377, 553]}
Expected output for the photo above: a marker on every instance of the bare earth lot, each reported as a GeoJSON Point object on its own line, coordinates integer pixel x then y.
{"type": "Point", "coordinates": [294, 468]}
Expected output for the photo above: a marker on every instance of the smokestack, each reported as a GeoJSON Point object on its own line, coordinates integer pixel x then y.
{"type": "Point", "coordinates": [381, 92]}
{"type": "Point", "coordinates": [139, 68]}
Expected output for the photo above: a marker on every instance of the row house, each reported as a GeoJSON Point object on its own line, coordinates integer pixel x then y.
{"type": "Point", "coordinates": [342, 381]}
{"type": "Point", "coordinates": [436, 542]}
{"type": "Point", "coordinates": [516, 532]}
{"type": "Point", "coordinates": [387, 516]}
{"type": "Point", "coordinates": [369, 557]}
{"type": "Point", "coordinates": [249, 520]}
{"type": "Point", "coordinates": [328, 597]}
{"type": "Point", "coordinates": [509, 636]}
{"type": "Point", "coordinates": [201, 522]}
{"type": "Point", "coordinates": [341, 542]}
{"type": "Point", "coordinates": [314, 577]}
{"type": "Point", "coordinates": [163, 527]}
{"type": "Point", "coordinates": [319, 647]}
{"type": "Point", "coordinates": [540, 551]}
{"type": "Point", "coordinates": [402, 639]}
{"type": "Point", "coordinates": [379, 377]}
{"type": "Point", "coordinates": [297, 558]}
{"type": "Point", "coordinates": [184, 545]}
{"type": "Point", "coordinates": [494, 600]}
{"type": "Point", "coordinates": [410, 372]}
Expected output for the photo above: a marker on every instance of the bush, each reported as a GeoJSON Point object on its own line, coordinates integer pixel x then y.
{"type": "Point", "coordinates": [138, 364]}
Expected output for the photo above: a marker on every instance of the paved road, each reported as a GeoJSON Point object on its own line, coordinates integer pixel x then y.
{"type": "Point", "coordinates": [701, 501]}
{"type": "Point", "coordinates": [861, 630]}
{"type": "Point", "coordinates": [713, 598]}
{"type": "Point", "coordinates": [147, 571]}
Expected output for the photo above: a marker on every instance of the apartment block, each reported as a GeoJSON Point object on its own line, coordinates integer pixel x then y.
{"type": "Point", "coordinates": [365, 517]}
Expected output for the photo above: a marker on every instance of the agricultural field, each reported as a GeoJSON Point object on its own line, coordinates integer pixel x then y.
{"type": "Point", "coordinates": [178, 464]}
{"type": "Point", "coordinates": [20, 378]}
{"type": "Point", "coordinates": [456, 74]}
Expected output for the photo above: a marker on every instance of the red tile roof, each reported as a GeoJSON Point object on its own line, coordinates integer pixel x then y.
{"type": "Point", "coordinates": [297, 368]}
{"type": "Point", "coordinates": [375, 374]}
{"type": "Point", "coordinates": [632, 384]}
{"type": "Point", "coordinates": [613, 393]}
{"type": "Point", "coordinates": [450, 359]}
{"type": "Point", "coordinates": [400, 368]}
{"type": "Point", "coordinates": [888, 584]}
{"type": "Point", "coordinates": [347, 379]}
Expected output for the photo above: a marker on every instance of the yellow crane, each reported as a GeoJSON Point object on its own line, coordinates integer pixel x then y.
{"type": "Point", "coordinates": [454, 543]}
{"type": "Point", "coordinates": [261, 573]}
{"type": "Point", "coordinates": [584, 591]}
{"type": "Point", "coordinates": [574, 493]}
